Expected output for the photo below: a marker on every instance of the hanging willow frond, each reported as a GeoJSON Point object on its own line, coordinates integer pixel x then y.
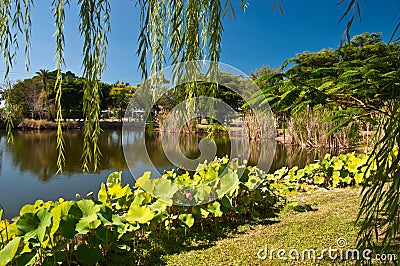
{"type": "Point", "coordinates": [58, 8]}
{"type": "Point", "coordinates": [8, 117]}
{"type": "Point", "coordinates": [13, 21]}
{"type": "Point", "coordinates": [191, 29]}
{"type": "Point", "coordinates": [181, 31]}
{"type": "Point", "coordinates": [94, 26]}
{"type": "Point", "coordinates": [27, 31]}
{"type": "Point", "coordinates": [379, 215]}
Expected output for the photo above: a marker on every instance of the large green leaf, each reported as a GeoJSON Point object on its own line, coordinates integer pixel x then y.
{"type": "Point", "coordinates": [227, 182]}
{"type": "Point", "coordinates": [58, 212]}
{"type": "Point", "coordinates": [7, 254]}
{"type": "Point", "coordinates": [102, 195]}
{"type": "Point", "coordinates": [35, 225]}
{"type": "Point", "coordinates": [26, 258]}
{"type": "Point", "coordinates": [335, 178]}
{"type": "Point", "coordinates": [105, 215]}
{"type": "Point", "coordinates": [86, 224]}
{"type": "Point", "coordinates": [142, 198]}
{"type": "Point", "coordinates": [215, 209]}
{"type": "Point", "coordinates": [202, 192]}
{"type": "Point", "coordinates": [144, 182]}
{"type": "Point", "coordinates": [68, 225]}
{"type": "Point", "coordinates": [359, 178]}
{"type": "Point", "coordinates": [114, 178]}
{"type": "Point", "coordinates": [159, 206]}
{"type": "Point", "coordinates": [211, 175]}
{"type": "Point", "coordinates": [88, 208]}
{"type": "Point", "coordinates": [164, 189]}
{"type": "Point", "coordinates": [319, 179]}
{"type": "Point", "coordinates": [140, 214]}
{"type": "Point", "coordinates": [226, 201]}
{"type": "Point", "coordinates": [187, 219]}
{"type": "Point", "coordinates": [310, 168]}
{"type": "Point", "coordinates": [117, 191]}
{"type": "Point", "coordinates": [105, 236]}
{"type": "Point", "coordinates": [34, 208]}
{"type": "Point", "coordinates": [89, 218]}
{"type": "Point", "coordinates": [338, 165]}
{"type": "Point", "coordinates": [254, 179]}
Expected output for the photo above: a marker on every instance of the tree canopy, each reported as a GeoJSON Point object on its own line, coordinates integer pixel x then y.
{"type": "Point", "coordinates": [360, 76]}
{"type": "Point", "coordinates": [360, 81]}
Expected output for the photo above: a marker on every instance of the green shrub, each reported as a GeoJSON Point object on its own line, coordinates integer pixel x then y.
{"type": "Point", "coordinates": [86, 231]}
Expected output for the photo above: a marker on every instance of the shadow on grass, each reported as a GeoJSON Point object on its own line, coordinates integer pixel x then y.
{"type": "Point", "coordinates": [202, 235]}
{"type": "Point", "coordinates": [304, 208]}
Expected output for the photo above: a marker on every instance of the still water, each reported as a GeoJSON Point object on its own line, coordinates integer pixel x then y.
{"type": "Point", "coordinates": [28, 167]}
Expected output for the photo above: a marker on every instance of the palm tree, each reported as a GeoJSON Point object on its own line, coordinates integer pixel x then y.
{"type": "Point", "coordinates": [44, 75]}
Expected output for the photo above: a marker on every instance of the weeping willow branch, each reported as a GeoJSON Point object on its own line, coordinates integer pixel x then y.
{"type": "Point", "coordinates": [190, 29]}
{"type": "Point", "coordinates": [8, 118]}
{"type": "Point", "coordinates": [94, 26]}
{"type": "Point", "coordinates": [59, 18]}
{"type": "Point", "coordinates": [13, 21]}
{"type": "Point", "coordinates": [181, 31]}
{"type": "Point", "coordinates": [176, 30]}
{"type": "Point", "coordinates": [27, 31]}
{"type": "Point", "coordinates": [380, 207]}
{"type": "Point", "coordinates": [60, 138]}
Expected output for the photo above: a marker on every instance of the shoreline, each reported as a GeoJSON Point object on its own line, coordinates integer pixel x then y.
{"type": "Point", "coordinates": [34, 125]}
{"type": "Point", "coordinates": [29, 124]}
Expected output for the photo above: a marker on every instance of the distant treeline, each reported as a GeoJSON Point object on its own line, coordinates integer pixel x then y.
{"type": "Point", "coordinates": [34, 98]}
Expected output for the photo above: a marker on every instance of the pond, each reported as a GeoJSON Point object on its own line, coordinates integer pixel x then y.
{"type": "Point", "coordinates": [28, 167]}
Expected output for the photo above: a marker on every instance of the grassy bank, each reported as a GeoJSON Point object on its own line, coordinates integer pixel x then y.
{"type": "Point", "coordinates": [318, 222]}
{"type": "Point", "coordinates": [320, 219]}
{"type": "Point", "coordinates": [31, 124]}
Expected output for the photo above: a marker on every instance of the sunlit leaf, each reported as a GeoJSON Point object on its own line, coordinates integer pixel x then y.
{"type": "Point", "coordinates": [164, 189]}
{"type": "Point", "coordinates": [9, 251]}
{"type": "Point", "coordinates": [140, 214]}
{"type": "Point", "coordinates": [214, 208]}
{"type": "Point", "coordinates": [57, 212]}
{"type": "Point", "coordinates": [89, 218]}
{"type": "Point", "coordinates": [35, 225]}
{"type": "Point", "coordinates": [144, 182]}
{"type": "Point", "coordinates": [187, 219]}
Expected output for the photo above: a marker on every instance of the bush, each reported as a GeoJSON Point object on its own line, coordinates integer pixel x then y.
{"type": "Point", "coordinates": [122, 218]}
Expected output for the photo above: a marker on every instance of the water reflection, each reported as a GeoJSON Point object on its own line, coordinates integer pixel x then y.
{"type": "Point", "coordinates": [28, 167]}
{"type": "Point", "coordinates": [35, 152]}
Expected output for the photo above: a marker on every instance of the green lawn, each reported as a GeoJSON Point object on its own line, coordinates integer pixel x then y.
{"type": "Point", "coordinates": [322, 218]}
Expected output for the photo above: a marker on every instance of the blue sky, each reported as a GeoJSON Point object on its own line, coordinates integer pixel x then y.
{"type": "Point", "coordinates": [259, 36]}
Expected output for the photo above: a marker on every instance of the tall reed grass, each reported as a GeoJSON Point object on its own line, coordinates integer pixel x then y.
{"type": "Point", "coordinates": [309, 128]}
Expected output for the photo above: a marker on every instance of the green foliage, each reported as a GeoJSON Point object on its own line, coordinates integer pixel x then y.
{"type": "Point", "coordinates": [356, 80]}
{"type": "Point", "coordinates": [34, 97]}
{"type": "Point", "coordinates": [87, 230]}
{"type": "Point", "coordinates": [331, 172]}
{"type": "Point", "coordinates": [359, 81]}
{"type": "Point", "coordinates": [120, 94]}
{"type": "Point", "coordinates": [25, 100]}
{"type": "Point", "coordinates": [379, 213]}
{"type": "Point", "coordinates": [9, 251]}
{"type": "Point", "coordinates": [94, 27]}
